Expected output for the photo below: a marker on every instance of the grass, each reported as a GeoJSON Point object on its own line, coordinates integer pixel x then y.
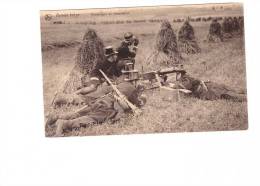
{"type": "Point", "coordinates": [219, 62]}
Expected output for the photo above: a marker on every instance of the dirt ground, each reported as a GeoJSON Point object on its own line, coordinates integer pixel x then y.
{"type": "Point", "coordinates": [220, 62]}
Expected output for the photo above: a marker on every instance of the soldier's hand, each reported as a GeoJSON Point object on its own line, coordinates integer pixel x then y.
{"type": "Point", "coordinates": [60, 99]}
{"type": "Point", "coordinates": [135, 41]}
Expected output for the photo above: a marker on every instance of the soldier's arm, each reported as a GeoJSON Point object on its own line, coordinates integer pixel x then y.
{"type": "Point", "coordinates": [93, 86]}
{"type": "Point", "coordinates": [132, 53]}
{"type": "Point", "coordinates": [135, 43]}
{"type": "Point", "coordinates": [87, 90]}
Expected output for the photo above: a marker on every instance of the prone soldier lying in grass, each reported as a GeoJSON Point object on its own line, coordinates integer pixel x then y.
{"type": "Point", "coordinates": [208, 90]}
{"type": "Point", "coordinates": [106, 107]}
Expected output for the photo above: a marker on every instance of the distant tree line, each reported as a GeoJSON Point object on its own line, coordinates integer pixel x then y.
{"type": "Point", "coordinates": [175, 20]}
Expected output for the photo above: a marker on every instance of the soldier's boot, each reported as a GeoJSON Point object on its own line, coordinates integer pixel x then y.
{"type": "Point", "coordinates": [51, 119]}
{"type": "Point", "coordinates": [62, 125]}
{"type": "Point", "coordinates": [61, 99]}
{"type": "Point", "coordinates": [234, 97]}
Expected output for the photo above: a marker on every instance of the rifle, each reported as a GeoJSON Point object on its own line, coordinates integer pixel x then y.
{"type": "Point", "coordinates": [122, 97]}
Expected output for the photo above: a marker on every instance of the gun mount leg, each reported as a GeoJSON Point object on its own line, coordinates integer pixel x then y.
{"type": "Point", "coordinates": [158, 81]}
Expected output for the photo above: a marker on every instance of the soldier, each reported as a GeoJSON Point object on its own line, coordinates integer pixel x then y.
{"type": "Point", "coordinates": [108, 107]}
{"type": "Point", "coordinates": [109, 67]}
{"type": "Point", "coordinates": [127, 50]}
{"type": "Point", "coordinates": [208, 90]}
{"type": "Point", "coordinates": [235, 24]}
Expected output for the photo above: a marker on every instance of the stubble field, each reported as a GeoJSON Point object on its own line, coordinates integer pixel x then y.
{"type": "Point", "coordinates": [219, 62]}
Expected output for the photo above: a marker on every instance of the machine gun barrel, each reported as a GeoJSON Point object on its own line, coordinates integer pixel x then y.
{"type": "Point", "coordinates": [152, 74]}
{"type": "Point", "coordinates": [170, 70]}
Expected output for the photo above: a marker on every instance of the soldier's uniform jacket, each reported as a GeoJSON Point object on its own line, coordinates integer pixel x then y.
{"type": "Point", "coordinates": [125, 55]}
{"type": "Point", "coordinates": [124, 51]}
{"type": "Point", "coordinates": [107, 107]}
{"type": "Point", "coordinates": [110, 69]}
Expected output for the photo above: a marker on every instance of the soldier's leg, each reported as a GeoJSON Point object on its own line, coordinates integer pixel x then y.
{"type": "Point", "coordinates": [234, 96]}
{"type": "Point", "coordinates": [69, 116]}
{"type": "Point", "coordinates": [66, 99]}
{"type": "Point", "coordinates": [83, 121]}
{"type": "Point", "coordinates": [52, 118]}
{"type": "Point", "coordinates": [63, 125]}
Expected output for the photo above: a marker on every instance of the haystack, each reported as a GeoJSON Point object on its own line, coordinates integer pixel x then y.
{"type": "Point", "coordinates": [215, 32]}
{"type": "Point", "coordinates": [88, 55]}
{"type": "Point", "coordinates": [227, 27]}
{"type": "Point", "coordinates": [166, 48]}
{"type": "Point", "coordinates": [186, 39]}
{"type": "Point", "coordinates": [241, 25]}
{"type": "Point", "coordinates": [235, 24]}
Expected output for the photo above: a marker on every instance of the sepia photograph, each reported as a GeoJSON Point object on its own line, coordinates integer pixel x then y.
{"type": "Point", "coordinates": [137, 70]}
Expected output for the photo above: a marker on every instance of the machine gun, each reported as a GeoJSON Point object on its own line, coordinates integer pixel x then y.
{"type": "Point", "coordinates": [154, 77]}
{"type": "Point", "coordinates": [161, 73]}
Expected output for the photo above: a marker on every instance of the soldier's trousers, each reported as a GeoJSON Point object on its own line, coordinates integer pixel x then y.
{"type": "Point", "coordinates": [97, 113]}
{"type": "Point", "coordinates": [82, 121]}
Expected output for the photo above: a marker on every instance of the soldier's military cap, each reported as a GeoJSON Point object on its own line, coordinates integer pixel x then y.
{"type": "Point", "coordinates": [128, 36]}
{"type": "Point", "coordinates": [109, 51]}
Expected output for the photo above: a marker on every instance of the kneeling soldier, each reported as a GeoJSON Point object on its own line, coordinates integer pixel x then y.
{"type": "Point", "coordinates": [127, 50]}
